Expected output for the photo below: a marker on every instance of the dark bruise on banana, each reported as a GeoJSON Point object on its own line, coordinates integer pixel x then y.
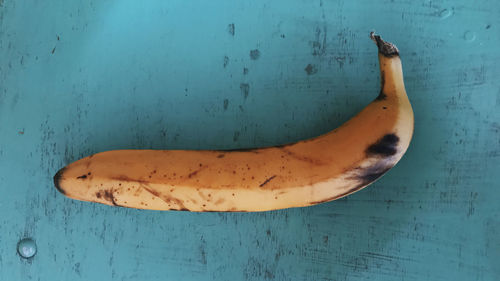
{"type": "Point", "coordinates": [299, 174]}
{"type": "Point", "coordinates": [380, 155]}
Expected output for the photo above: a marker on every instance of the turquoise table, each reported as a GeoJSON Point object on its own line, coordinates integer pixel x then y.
{"type": "Point", "coordinates": [79, 77]}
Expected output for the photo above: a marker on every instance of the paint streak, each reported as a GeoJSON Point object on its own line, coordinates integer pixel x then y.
{"type": "Point", "coordinates": [236, 136]}
{"type": "Point", "coordinates": [231, 29]}
{"type": "Point", "coordinates": [311, 69]}
{"type": "Point", "coordinates": [319, 44]}
{"type": "Point", "coordinates": [245, 89]}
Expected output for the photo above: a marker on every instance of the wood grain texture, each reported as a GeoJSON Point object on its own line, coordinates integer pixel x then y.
{"type": "Point", "coordinates": [81, 77]}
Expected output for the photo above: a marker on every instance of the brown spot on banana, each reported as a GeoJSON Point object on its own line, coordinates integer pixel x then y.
{"type": "Point", "coordinates": [165, 198]}
{"type": "Point", "coordinates": [219, 201]}
{"type": "Point", "coordinates": [177, 201]}
{"type": "Point", "coordinates": [192, 174]}
{"type": "Point", "coordinates": [107, 195]}
{"type": "Point", "coordinates": [150, 190]}
{"type": "Point", "coordinates": [267, 181]}
{"type": "Point", "coordinates": [302, 157]}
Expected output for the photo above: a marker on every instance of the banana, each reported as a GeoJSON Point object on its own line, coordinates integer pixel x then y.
{"type": "Point", "coordinates": [301, 174]}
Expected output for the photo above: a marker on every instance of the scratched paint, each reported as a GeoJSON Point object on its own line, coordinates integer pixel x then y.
{"type": "Point", "coordinates": [82, 77]}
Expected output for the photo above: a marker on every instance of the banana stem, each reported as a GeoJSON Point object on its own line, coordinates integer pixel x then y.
{"type": "Point", "coordinates": [391, 73]}
{"type": "Point", "coordinates": [385, 48]}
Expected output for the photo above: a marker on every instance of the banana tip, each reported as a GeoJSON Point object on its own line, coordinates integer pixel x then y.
{"type": "Point", "coordinates": [385, 48]}
{"type": "Point", "coordinates": [57, 180]}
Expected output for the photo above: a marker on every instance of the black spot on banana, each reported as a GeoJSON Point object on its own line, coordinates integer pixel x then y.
{"type": "Point", "coordinates": [386, 146]}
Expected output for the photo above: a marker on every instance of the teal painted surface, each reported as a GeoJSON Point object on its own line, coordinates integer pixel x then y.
{"type": "Point", "coordinates": [78, 77]}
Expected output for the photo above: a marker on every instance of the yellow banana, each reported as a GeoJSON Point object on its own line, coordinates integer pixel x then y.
{"type": "Point", "coordinates": [305, 173]}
